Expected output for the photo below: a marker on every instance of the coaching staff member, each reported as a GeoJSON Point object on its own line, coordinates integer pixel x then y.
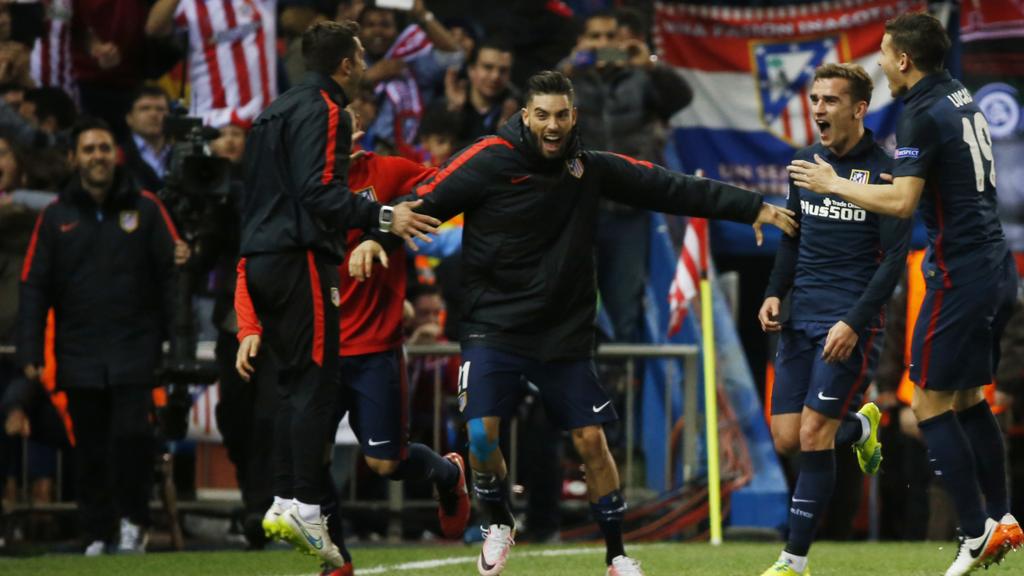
{"type": "Point", "coordinates": [102, 256]}
{"type": "Point", "coordinates": [296, 212]}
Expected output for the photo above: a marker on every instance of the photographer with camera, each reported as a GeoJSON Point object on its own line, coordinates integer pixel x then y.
{"type": "Point", "coordinates": [624, 100]}
{"type": "Point", "coordinates": [103, 257]}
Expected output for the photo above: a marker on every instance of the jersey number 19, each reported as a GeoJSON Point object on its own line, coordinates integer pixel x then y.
{"type": "Point", "coordinates": [979, 140]}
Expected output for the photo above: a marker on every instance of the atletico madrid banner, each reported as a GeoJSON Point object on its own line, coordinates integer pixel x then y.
{"type": "Point", "coordinates": [751, 70]}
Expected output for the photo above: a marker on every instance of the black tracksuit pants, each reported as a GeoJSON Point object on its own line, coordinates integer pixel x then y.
{"type": "Point", "coordinates": [114, 451]}
{"type": "Point", "coordinates": [295, 295]}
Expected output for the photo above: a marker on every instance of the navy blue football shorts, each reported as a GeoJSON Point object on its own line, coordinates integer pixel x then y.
{"type": "Point", "coordinates": [956, 337]}
{"type": "Point", "coordinates": [374, 390]}
{"type": "Point", "coordinates": [803, 378]}
{"type": "Point", "coordinates": [491, 384]}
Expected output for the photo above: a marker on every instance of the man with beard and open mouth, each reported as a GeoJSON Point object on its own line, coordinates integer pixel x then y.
{"type": "Point", "coordinates": [530, 197]}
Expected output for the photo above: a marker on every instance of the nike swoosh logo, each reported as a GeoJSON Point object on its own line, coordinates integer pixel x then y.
{"type": "Point", "coordinates": [483, 563]}
{"type": "Point", "coordinates": [975, 552]}
{"type": "Point", "coordinates": [317, 543]}
{"type": "Point", "coordinates": [371, 442]}
{"type": "Point", "coordinates": [825, 398]}
{"type": "Point", "coordinates": [68, 227]}
{"type": "Point", "coordinates": [804, 501]}
{"type": "Point", "coordinates": [597, 409]}
{"type": "Point", "coordinates": [520, 179]}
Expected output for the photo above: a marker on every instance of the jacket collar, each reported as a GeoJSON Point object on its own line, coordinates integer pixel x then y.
{"type": "Point", "coordinates": [925, 84]}
{"type": "Point", "coordinates": [327, 84]}
{"type": "Point", "coordinates": [120, 191]}
{"type": "Point", "coordinates": [516, 132]}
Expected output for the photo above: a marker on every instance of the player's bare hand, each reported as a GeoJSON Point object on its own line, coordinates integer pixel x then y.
{"type": "Point", "coordinates": [886, 177]}
{"type": "Point", "coordinates": [408, 224]}
{"type": "Point", "coordinates": [777, 216]}
{"type": "Point", "coordinates": [182, 252]}
{"type": "Point", "coordinates": [839, 343]}
{"type": "Point", "coordinates": [769, 313]}
{"type": "Point", "coordinates": [247, 350]}
{"type": "Point", "coordinates": [33, 372]}
{"type": "Point", "coordinates": [817, 176]}
{"type": "Point", "coordinates": [426, 334]}
{"type": "Point", "coordinates": [17, 423]}
{"type": "Point", "coordinates": [360, 262]}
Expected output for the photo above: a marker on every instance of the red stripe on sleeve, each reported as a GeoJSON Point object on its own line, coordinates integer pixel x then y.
{"type": "Point", "coordinates": [632, 160]}
{"type": "Point", "coordinates": [248, 321]}
{"type": "Point", "coordinates": [460, 160]}
{"type": "Point", "coordinates": [26, 267]}
{"type": "Point", "coordinates": [318, 310]}
{"type": "Point", "coordinates": [332, 136]}
{"type": "Point", "coordinates": [164, 213]}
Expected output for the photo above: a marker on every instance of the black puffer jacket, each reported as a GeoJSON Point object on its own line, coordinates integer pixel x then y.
{"type": "Point", "coordinates": [108, 272]}
{"type": "Point", "coordinates": [528, 241]}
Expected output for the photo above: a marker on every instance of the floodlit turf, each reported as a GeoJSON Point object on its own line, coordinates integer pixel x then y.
{"type": "Point", "coordinates": [827, 559]}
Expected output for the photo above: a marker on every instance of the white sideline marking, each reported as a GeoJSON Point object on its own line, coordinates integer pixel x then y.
{"type": "Point", "coordinates": [456, 560]}
{"type": "Point", "coordinates": [452, 561]}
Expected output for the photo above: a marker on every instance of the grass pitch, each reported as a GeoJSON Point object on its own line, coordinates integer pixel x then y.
{"type": "Point", "coordinates": [730, 559]}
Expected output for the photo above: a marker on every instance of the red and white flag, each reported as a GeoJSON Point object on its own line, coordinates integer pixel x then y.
{"type": "Point", "coordinates": [692, 265]}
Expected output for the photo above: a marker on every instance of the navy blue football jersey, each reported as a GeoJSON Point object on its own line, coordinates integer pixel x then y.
{"type": "Point", "coordinates": [845, 261]}
{"type": "Point", "coordinates": [944, 138]}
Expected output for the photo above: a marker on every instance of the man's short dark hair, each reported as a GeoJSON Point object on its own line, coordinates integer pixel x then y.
{"type": "Point", "coordinates": [633, 20]}
{"type": "Point", "coordinates": [149, 91]}
{"type": "Point", "coordinates": [856, 77]}
{"type": "Point", "coordinates": [53, 102]}
{"type": "Point", "coordinates": [497, 44]}
{"type": "Point", "coordinates": [325, 44]}
{"type": "Point", "coordinates": [922, 36]}
{"type": "Point", "coordinates": [549, 82]}
{"type": "Point", "coordinates": [86, 123]}
{"type": "Point", "coordinates": [418, 290]}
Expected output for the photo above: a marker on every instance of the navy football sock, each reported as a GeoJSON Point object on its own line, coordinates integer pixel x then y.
{"type": "Point", "coordinates": [492, 494]}
{"type": "Point", "coordinates": [952, 459]}
{"type": "Point", "coordinates": [814, 488]}
{"type": "Point", "coordinates": [851, 430]}
{"type": "Point", "coordinates": [986, 441]}
{"type": "Point", "coordinates": [608, 512]}
{"type": "Point", "coordinates": [425, 464]}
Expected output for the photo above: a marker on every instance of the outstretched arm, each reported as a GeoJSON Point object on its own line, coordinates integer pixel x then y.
{"type": "Point", "coordinates": [647, 185]}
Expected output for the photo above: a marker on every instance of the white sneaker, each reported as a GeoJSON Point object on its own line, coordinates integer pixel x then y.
{"type": "Point", "coordinates": [133, 538]}
{"type": "Point", "coordinates": [624, 566]}
{"type": "Point", "coordinates": [978, 552]}
{"type": "Point", "coordinates": [311, 537]}
{"type": "Point", "coordinates": [271, 520]}
{"type": "Point", "coordinates": [498, 541]}
{"type": "Point", "coordinates": [96, 548]}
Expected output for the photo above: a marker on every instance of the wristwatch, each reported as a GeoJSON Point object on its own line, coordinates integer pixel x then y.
{"type": "Point", "coordinates": [386, 218]}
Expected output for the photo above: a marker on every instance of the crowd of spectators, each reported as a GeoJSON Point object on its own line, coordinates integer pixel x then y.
{"type": "Point", "coordinates": [440, 76]}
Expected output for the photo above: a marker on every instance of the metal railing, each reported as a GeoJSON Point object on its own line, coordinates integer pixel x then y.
{"type": "Point", "coordinates": [689, 354]}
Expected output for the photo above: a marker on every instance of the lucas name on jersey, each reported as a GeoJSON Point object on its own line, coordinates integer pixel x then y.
{"type": "Point", "coordinates": [834, 209]}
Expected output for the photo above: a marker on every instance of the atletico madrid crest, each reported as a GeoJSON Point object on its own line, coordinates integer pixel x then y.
{"type": "Point", "coordinates": [129, 220]}
{"type": "Point", "coordinates": [575, 167]}
{"type": "Point", "coordinates": [860, 176]}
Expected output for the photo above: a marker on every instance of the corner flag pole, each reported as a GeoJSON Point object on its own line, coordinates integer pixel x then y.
{"type": "Point", "coordinates": [707, 322]}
